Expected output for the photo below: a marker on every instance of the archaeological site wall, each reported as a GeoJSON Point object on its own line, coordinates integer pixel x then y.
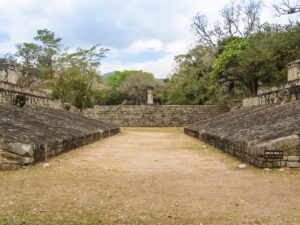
{"type": "Point", "coordinates": [281, 93]}
{"type": "Point", "coordinates": [34, 128]}
{"type": "Point", "coordinates": [33, 134]}
{"type": "Point", "coordinates": [265, 132]}
{"type": "Point", "coordinates": [264, 135]}
{"type": "Point", "coordinates": [154, 115]}
{"type": "Point", "coordinates": [16, 95]}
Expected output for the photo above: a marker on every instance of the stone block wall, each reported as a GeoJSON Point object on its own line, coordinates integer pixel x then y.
{"type": "Point", "coordinates": [266, 136]}
{"type": "Point", "coordinates": [33, 134]}
{"type": "Point", "coordinates": [275, 95]}
{"type": "Point", "coordinates": [281, 93]}
{"type": "Point", "coordinates": [9, 93]}
{"type": "Point", "coordinates": [254, 153]}
{"type": "Point", "coordinates": [294, 70]}
{"type": "Point", "coordinates": [250, 101]}
{"type": "Point", "coordinates": [9, 75]}
{"type": "Point", "coordinates": [154, 115]}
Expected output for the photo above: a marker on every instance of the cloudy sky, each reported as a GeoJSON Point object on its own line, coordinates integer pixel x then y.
{"type": "Point", "coordinates": [141, 34]}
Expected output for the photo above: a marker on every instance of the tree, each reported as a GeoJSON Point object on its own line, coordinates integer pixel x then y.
{"type": "Point", "coordinates": [286, 7]}
{"type": "Point", "coordinates": [49, 50]}
{"type": "Point", "coordinates": [238, 20]}
{"type": "Point", "coordinates": [227, 60]}
{"type": "Point", "coordinates": [76, 73]}
{"type": "Point", "coordinates": [135, 86]}
{"type": "Point", "coordinates": [27, 53]}
{"type": "Point", "coordinates": [259, 60]}
{"type": "Point", "coordinates": [38, 61]}
{"type": "Point", "coordinates": [114, 81]}
{"type": "Point", "coordinates": [190, 82]}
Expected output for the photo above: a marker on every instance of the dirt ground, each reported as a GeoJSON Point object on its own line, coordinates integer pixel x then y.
{"type": "Point", "coordinates": [148, 176]}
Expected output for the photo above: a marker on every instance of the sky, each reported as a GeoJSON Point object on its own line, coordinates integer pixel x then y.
{"type": "Point", "coordinates": [141, 34]}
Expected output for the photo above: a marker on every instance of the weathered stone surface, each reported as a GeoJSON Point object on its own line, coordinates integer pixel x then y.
{"type": "Point", "coordinates": [9, 158]}
{"type": "Point", "coordinates": [293, 164]}
{"type": "Point", "coordinates": [282, 93]}
{"type": "Point", "coordinates": [154, 115]}
{"type": "Point", "coordinates": [33, 134]}
{"type": "Point", "coordinates": [9, 166]}
{"type": "Point", "coordinates": [286, 143]}
{"type": "Point", "coordinates": [248, 132]}
{"type": "Point", "coordinates": [293, 158]}
{"type": "Point", "coordinates": [12, 94]}
{"type": "Point", "coordinates": [20, 149]}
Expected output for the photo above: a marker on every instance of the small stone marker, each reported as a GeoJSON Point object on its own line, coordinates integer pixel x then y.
{"type": "Point", "coordinates": [150, 95]}
{"type": "Point", "coordinates": [242, 166]}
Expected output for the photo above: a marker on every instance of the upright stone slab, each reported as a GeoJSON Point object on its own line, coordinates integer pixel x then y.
{"type": "Point", "coordinates": [150, 96]}
{"type": "Point", "coordinates": [294, 70]}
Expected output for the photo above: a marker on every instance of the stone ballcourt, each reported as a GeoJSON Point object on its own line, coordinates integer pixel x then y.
{"type": "Point", "coordinates": [149, 176]}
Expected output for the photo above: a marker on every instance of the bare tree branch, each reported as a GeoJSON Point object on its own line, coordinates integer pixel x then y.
{"type": "Point", "coordinates": [200, 26]}
{"type": "Point", "coordinates": [286, 7]}
{"type": "Point", "coordinates": [238, 19]}
{"type": "Point", "coordinates": [251, 18]}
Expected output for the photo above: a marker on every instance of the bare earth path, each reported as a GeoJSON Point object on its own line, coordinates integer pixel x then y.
{"type": "Point", "coordinates": [148, 176]}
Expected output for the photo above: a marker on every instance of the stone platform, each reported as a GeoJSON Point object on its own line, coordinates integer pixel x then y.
{"type": "Point", "coordinates": [33, 134]}
{"type": "Point", "coordinates": [264, 136]}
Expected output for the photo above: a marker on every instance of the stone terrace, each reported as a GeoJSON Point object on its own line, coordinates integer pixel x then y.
{"type": "Point", "coordinates": [33, 134]}
{"type": "Point", "coordinates": [265, 136]}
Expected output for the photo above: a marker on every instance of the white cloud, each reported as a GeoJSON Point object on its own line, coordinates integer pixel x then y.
{"type": "Point", "coordinates": [126, 27]}
{"type": "Point", "coordinates": [140, 46]}
{"type": "Point", "coordinates": [160, 68]}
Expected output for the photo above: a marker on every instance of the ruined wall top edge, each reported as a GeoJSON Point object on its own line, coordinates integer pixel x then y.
{"type": "Point", "coordinates": [295, 63]}
{"type": "Point", "coordinates": [15, 88]}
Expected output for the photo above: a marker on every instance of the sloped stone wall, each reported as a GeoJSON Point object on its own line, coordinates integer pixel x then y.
{"type": "Point", "coordinates": [33, 134]}
{"type": "Point", "coordinates": [154, 115]}
{"type": "Point", "coordinates": [264, 136]}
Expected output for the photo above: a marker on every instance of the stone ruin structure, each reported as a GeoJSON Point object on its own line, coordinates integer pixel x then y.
{"type": "Point", "coordinates": [150, 95]}
{"type": "Point", "coordinates": [266, 136]}
{"type": "Point", "coordinates": [20, 96]}
{"type": "Point", "coordinates": [8, 72]}
{"type": "Point", "coordinates": [266, 133]}
{"type": "Point", "coordinates": [153, 115]}
{"type": "Point", "coordinates": [34, 128]}
{"type": "Point", "coordinates": [281, 93]}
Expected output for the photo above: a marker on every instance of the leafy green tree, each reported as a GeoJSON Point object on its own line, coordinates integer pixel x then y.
{"type": "Point", "coordinates": [190, 83]}
{"type": "Point", "coordinates": [135, 87]}
{"type": "Point", "coordinates": [113, 97]}
{"type": "Point", "coordinates": [38, 60]}
{"type": "Point", "coordinates": [75, 76]}
{"type": "Point", "coordinates": [261, 59]}
{"type": "Point", "coordinates": [228, 61]}
{"type": "Point", "coordinates": [27, 53]}
{"type": "Point", "coordinates": [50, 48]}
{"type": "Point", "coordinates": [114, 81]}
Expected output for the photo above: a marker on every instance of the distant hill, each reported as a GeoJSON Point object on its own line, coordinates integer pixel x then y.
{"type": "Point", "coordinates": [108, 74]}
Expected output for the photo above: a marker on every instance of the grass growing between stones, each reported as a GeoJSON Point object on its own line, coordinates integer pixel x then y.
{"type": "Point", "coordinates": [148, 176]}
